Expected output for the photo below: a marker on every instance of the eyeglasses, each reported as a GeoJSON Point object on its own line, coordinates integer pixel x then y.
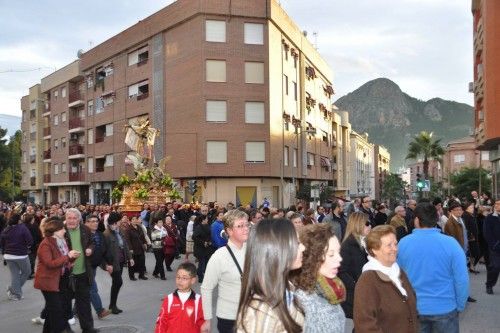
{"type": "Point", "coordinates": [242, 226]}
{"type": "Point", "coordinates": [366, 201]}
{"type": "Point", "coordinates": [183, 278]}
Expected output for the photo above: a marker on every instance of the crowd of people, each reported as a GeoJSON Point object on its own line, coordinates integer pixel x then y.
{"type": "Point", "coordinates": [269, 269]}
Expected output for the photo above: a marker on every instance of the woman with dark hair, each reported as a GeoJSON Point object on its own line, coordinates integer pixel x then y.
{"type": "Point", "coordinates": [354, 256]}
{"type": "Point", "coordinates": [472, 236]}
{"type": "Point", "coordinates": [381, 215]}
{"type": "Point", "coordinates": [266, 302]}
{"type": "Point", "coordinates": [34, 228]}
{"type": "Point", "coordinates": [384, 300]}
{"type": "Point", "coordinates": [202, 244]}
{"type": "Point", "coordinates": [158, 234]}
{"type": "Point", "coordinates": [15, 242]}
{"type": "Point", "coordinates": [320, 291]}
{"type": "Point", "coordinates": [52, 275]}
{"type": "Point", "coordinates": [136, 242]}
{"type": "Point", "coordinates": [170, 242]}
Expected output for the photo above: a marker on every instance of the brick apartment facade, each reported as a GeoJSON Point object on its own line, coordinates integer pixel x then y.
{"type": "Point", "coordinates": [382, 160]}
{"type": "Point", "coordinates": [486, 86]}
{"type": "Point", "coordinates": [242, 100]}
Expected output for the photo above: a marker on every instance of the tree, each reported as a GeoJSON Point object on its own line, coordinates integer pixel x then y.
{"type": "Point", "coordinates": [466, 180]}
{"type": "Point", "coordinates": [393, 189]}
{"type": "Point", "coordinates": [424, 146]}
{"type": "Point", "coordinates": [10, 165]}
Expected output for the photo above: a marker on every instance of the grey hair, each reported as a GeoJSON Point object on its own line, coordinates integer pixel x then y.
{"type": "Point", "coordinates": [74, 211]}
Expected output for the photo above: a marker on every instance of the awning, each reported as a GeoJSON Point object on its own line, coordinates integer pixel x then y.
{"type": "Point", "coordinates": [325, 162]}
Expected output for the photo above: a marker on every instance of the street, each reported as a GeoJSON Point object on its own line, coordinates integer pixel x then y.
{"type": "Point", "coordinates": [140, 301]}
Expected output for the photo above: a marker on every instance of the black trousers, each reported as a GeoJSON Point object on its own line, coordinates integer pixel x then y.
{"type": "Point", "coordinates": [169, 259]}
{"type": "Point", "coordinates": [81, 293]}
{"type": "Point", "coordinates": [55, 320]}
{"type": "Point", "coordinates": [225, 325]}
{"type": "Point", "coordinates": [160, 257]}
{"type": "Point", "coordinates": [493, 270]}
{"type": "Point", "coordinates": [116, 284]}
{"type": "Point", "coordinates": [139, 265]}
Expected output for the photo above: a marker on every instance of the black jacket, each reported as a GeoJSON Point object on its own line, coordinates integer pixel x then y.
{"type": "Point", "coordinates": [86, 240]}
{"type": "Point", "coordinates": [116, 256]}
{"type": "Point", "coordinates": [343, 224]}
{"type": "Point", "coordinates": [99, 255]}
{"type": "Point", "coordinates": [354, 257]}
{"type": "Point", "coordinates": [202, 241]}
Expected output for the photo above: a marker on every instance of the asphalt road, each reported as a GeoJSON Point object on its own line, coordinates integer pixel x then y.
{"type": "Point", "coordinates": [141, 300]}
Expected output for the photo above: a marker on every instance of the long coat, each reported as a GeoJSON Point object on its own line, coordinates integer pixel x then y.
{"type": "Point", "coordinates": [113, 249]}
{"type": "Point", "coordinates": [491, 231]}
{"type": "Point", "coordinates": [454, 229]}
{"type": "Point", "coordinates": [50, 264]}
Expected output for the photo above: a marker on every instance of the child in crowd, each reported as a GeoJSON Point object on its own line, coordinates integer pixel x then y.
{"type": "Point", "coordinates": [181, 310]}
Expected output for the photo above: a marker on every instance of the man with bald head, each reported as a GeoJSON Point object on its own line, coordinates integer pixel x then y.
{"type": "Point", "coordinates": [410, 215]}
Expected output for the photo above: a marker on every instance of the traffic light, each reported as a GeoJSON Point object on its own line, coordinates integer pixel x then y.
{"type": "Point", "coordinates": [420, 182]}
{"type": "Point", "coordinates": [193, 186]}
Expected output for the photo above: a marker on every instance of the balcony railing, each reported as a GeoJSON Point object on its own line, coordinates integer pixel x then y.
{"type": "Point", "coordinates": [46, 131]}
{"type": "Point", "coordinates": [33, 181]}
{"type": "Point", "coordinates": [99, 139]}
{"type": "Point", "coordinates": [99, 168]}
{"type": "Point", "coordinates": [46, 154]}
{"type": "Point", "coordinates": [75, 149]}
{"type": "Point", "coordinates": [76, 176]}
{"type": "Point", "coordinates": [46, 178]}
{"type": "Point", "coordinates": [75, 96]}
{"type": "Point", "coordinates": [32, 158]}
{"type": "Point", "coordinates": [76, 122]}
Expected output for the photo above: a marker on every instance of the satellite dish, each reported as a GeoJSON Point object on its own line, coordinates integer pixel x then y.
{"type": "Point", "coordinates": [79, 53]}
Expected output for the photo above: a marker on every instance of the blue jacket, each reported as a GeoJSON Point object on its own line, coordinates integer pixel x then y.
{"type": "Point", "coordinates": [437, 269]}
{"type": "Point", "coordinates": [215, 230]}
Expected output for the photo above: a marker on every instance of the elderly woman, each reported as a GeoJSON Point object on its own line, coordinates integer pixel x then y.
{"type": "Point", "coordinates": [225, 271]}
{"type": "Point", "coordinates": [52, 274]}
{"type": "Point", "coordinates": [354, 256]}
{"type": "Point", "coordinates": [384, 300]}
{"type": "Point", "coordinates": [320, 291]}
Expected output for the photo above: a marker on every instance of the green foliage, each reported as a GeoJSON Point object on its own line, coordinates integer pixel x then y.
{"type": "Point", "coordinates": [10, 166]}
{"type": "Point", "coordinates": [393, 189]}
{"type": "Point", "coordinates": [166, 181]}
{"type": "Point", "coordinates": [467, 180]}
{"type": "Point", "coordinates": [304, 192]}
{"type": "Point", "coordinates": [116, 194]}
{"type": "Point", "coordinates": [142, 193]}
{"type": "Point", "coordinates": [174, 194]}
{"type": "Point", "coordinates": [424, 146]}
{"type": "Point", "coordinates": [145, 176]}
{"type": "Point", "coordinates": [123, 181]}
{"type": "Point", "coordinates": [326, 194]}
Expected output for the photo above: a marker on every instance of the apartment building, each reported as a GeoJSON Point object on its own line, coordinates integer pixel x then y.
{"type": "Point", "coordinates": [362, 166]}
{"type": "Point", "coordinates": [242, 100]}
{"type": "Point", "coordinates": [341, 157]}
{"type": "Point", "coordinates": [486, 86]}
{"type": "Point", "coordinates": [381, 161]}
{"type": "Point", "coordinates": [417, 168]}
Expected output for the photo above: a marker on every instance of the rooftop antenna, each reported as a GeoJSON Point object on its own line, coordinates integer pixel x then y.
{"type": "Point", "coordinates": [315, 34]}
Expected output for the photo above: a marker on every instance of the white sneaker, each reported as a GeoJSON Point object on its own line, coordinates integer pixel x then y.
{"type": "Point", "coordinates": [72, 321]}
{"type": "Point", "coordinates": [38, 321]}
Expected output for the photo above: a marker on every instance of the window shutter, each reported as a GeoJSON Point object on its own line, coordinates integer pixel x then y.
{"type": "Point", "coordinates": [215, 31]}
{"type": "Point", "coordinates": [109, 161]}
{"type": "Point", "coordinates": [109, 129]}
{"type": "Point", "coordinates": [255, 151]}
{"type": "Point", "coordinates": [216, 70]}
{"type": "Point", "coordinates": [254, 113]}
{"type": "Point", "coordinates": [216, 111]}
{"type": "Point", "coordinates": [254, 33]}
{"type": "Point", "coordinates": [90, 164]}
{"type": "Point", "coordinates": [254, 72]}
{"type": "Point", "coordinates": [133, 90]}
{"type": "Point", "coordinates": [216, 152]}
{"type": "Point", "coordinates": [133, 58]}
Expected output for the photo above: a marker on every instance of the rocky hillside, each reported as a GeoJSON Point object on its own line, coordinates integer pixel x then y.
{"type": "Point", "coordinates": [392, 117]}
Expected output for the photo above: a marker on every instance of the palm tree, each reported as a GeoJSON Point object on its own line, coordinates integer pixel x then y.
{"type": "Point", "coordinates": [423, 145]}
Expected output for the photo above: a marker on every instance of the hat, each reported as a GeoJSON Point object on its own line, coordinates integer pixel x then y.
{"type": "Point", "coordinates": [114, 217]}
{"type": "Point", "coordinates": [453, 204]}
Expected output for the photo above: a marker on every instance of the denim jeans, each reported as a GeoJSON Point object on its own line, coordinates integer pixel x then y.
{"type": "Point", "coordinates": [445, 323]}
{"type": "Point", "coordinates": [95, 299]}
{"type": "Point", "coordinates": [20, 270]}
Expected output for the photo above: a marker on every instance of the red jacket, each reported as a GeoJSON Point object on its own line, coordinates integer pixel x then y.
{"type": "Point", "coordinates": [50, 263]}
{"type": "Point", "coordinates": [176, 317]}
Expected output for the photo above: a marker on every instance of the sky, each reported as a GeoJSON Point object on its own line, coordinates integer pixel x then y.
{"type": "Point", "coordinates": [425, 46]}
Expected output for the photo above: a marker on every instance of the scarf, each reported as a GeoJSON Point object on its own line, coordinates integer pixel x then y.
{"type": "Point", "coordinates": [64, 250]}
{"type": "Point", "coordinates": [162, 230]}
{"type": "Point", "coordinates": [392, 272]}
{"type": "Point", "coordinates": [333, 290]}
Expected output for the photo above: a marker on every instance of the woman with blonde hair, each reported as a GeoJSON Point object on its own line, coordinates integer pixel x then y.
{"type": "Point", "coordinates": [354, 256]}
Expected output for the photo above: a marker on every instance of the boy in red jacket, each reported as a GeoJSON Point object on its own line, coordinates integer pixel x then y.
{"type": "Point", "coordinates": [181, 310]}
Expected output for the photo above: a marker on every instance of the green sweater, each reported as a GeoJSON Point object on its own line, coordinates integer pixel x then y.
{"type": "Point", "coordinates": [76, 244]}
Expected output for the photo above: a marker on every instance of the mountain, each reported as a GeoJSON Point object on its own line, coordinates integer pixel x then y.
{"type": "Point", "coordinates": [11, 123]}
{"type": "Point", "coordinates": [392, 118]}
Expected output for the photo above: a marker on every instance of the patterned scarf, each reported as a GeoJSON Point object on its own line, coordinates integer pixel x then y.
{"type": "Point", "coordinates": [333, 290]}
{"type": "Point", "coordinates": [63, 248]}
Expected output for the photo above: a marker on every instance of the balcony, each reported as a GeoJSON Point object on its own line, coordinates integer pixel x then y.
{"type": "Point", "coordinates": [33, 181]}
{"type": "Point", "coordinates": [47, 155]}
{"type": "Point", "coordinates": [99, 168]}
{"type": "Point", "coordinates": [32, 158]}
{"type": "Point", "coordinates": [46, 132]}
{"type": "Point", "coordinates": [46, 178]}
{"type": "Point", "coordinates": [76, 125]}
{"type": "Point", "coordinates": [46, 111]}
{"type": "Point", "coordinates": [99, 138]}
{"type": "Point", "coordinates": [75, 99]}
{"type": "Point", "coordinates": [76, 177]}
{"type": "Point", "coordinates": [33, 136]}
{"type": "Point", "coordinates": [75, 151]}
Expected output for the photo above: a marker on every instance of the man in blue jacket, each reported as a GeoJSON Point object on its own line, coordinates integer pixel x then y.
{"type": "Point", "coordinates": [491, 232]}
{"type": "Point", "coordinates": [436, 266]}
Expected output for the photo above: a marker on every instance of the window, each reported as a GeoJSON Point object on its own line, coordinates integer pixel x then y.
{"type": "Point", "coordinates": [56, 143]}
{"type": "Point", "coordinates": [90, 81]}
{"type": "Point", "coordinates": [310, 159]}
{"type": "Point", "coordinates": [108, 70]}
{"type": "Point", "coordinates": [254, 33]}
{"type": "Point", "coordinates": [99, 105]}
{"type": "Point", "coordinates": [90, 107]}
{"type": "Point", "coordinates": [286, 151]}
{"type": "Point", "coordinates": [90, 164]}
{"type": "Point", "coordinates": [107, 100]}
{"type": "Point", "coordinates": [216, 152]}
{"type": "Point", "coordinates": [63, 117]}
{"type": "Point", "coordinates": [109, 130]}
{"type": "Point", "coordinates": [295, 155]}
{"type": "Point", "coordinates": [216, 111]}
{"type": "Point", "coordinates": [63, 142]}
{"type": "Point", "coordinates": [63, 92]}
{"type": "Point", "coordinates": [459, 158]}
{"type": "Point", "coordinates": [254, 72]}
{"type": "Point", "coordinates": [139, 56]}
{"type": "Point", "coordinates": [56, 169]}
{"type": "Point", "coordinates": [485, 156]}
{"type": "Point", "coordinates": [215, 31]}
{"type": "Point", "coordinates": [108, 162]}
{"type": "Point", "coordinates": [285, 83]}
{"type": "Point", "coordinates": [139, 90]}
{"type": "Point", "coordinates": [254, 112]}
{"type": "Point", "coordinates": [56, 119]}
{"type": "Point", "coordinates": [255, 152]}
{"type": "Point", "coordinates": [324, 137]}
{"type": "Point", "coordinates": [56, 94]}
{"type": "Point", "coordinates": [216, 70]}
{"type": "Point", "coordinates": [63, 168]}
{"type": "Point", "coordinates": [294, 90]}
{"type": "Point", "coordinates": [90, 136]}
